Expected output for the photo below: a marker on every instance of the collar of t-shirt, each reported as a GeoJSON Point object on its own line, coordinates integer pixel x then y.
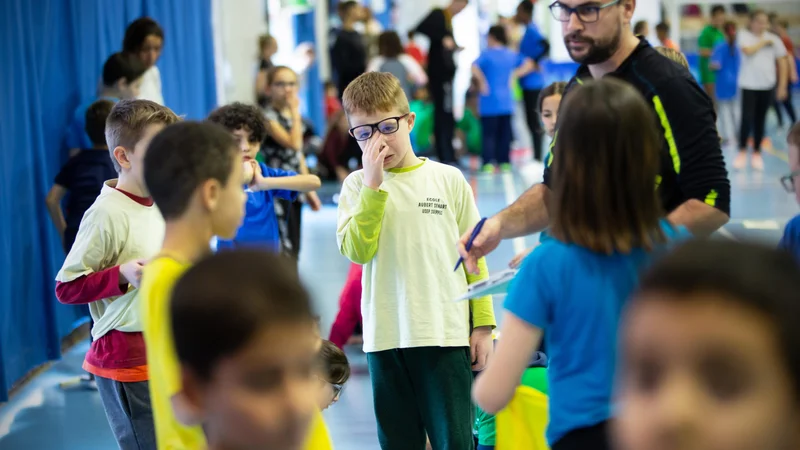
{"type": "Point", "coordinates": [144, 201]}
{"type": "Point", "coordinates": [584, 73]}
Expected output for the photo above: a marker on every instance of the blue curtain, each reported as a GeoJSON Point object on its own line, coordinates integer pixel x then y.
{"type": "Point", "coordinates": [52, 52]}
{"type": "Point", "coordinates": [311, 94]}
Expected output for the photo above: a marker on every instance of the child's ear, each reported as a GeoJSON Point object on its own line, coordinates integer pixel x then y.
{"type": "Point", "coordinates": [412, 119]}
{"type": "Point", "coordinates": [121, 155]}
{"type": "Point", "coordinates": [209, 194]}
{"type": "Point", "coordinates": [189, 404]}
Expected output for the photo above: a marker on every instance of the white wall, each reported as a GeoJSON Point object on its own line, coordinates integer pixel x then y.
{"type": "Point", "coordinates": [237, 25]}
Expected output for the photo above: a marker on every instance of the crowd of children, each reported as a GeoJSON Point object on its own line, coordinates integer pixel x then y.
{"type": "Point", "coordinates": [196, 349]}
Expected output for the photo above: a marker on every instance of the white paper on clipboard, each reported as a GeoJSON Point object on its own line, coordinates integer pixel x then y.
{"type": "Point", "coordinates": [496, 284]}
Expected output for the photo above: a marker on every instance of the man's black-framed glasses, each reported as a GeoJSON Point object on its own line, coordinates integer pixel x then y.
{"type": "Point", "coordinates": [385, 126]}
{"type": "Point", "coordinates": [588, 13]}
{"type": "Point", "coordinates": [788, 180]}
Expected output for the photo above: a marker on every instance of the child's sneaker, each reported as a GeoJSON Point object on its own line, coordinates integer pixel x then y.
{"type": "Point", "coordinates": [757, 161]}
{"type": "Point", "coordinates": [741, 161]}
{"type": "Point", "coordinates": [488, 168]}
{"type": "Point", "coordinates": [505, 167]}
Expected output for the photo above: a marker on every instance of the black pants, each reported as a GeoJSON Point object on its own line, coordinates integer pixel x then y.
{"type": "Point", "coordinates": [496, 139]}
{"type": "Point", "coordinates": [531, 99]}
{"type": "Point", "coordinates": [443, 121]}
{"type": "Point", "coordinates": [755, 105]}
{"type": "Point", "coordinates": [289, 217]}
{"type": "Point", "coordinates": [788, 106]}
{"type": "Point", "coordinates": [419, 390]}
{"type": "Point", "coordinates": [589, 438]}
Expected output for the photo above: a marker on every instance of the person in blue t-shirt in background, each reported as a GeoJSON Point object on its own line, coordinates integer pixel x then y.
{"type": "Point", "coordinates": [264, 184]}
{"type": "Point", "coordinates": [534, 47]}
{"type": "Point", "coordinates": [725, 61]}
{"type": "Point", "coordinates": [496, 69]}
{"type": "Point", "coordinates": [122, 77]}
{"type": "Point", "coordinates": [791, 235]}
{"type": "Point", "coordinates": [606, 226]}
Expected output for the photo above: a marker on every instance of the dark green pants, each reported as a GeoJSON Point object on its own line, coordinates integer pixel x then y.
{"type": "Point", "coordinates": [419, 390]}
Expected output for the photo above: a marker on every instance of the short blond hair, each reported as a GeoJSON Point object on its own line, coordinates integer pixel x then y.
{"type": "Point", "coordinates": [373, 92]}
{"type": "Point", "coordinates": [128, 120]}
{"type": "Point", "coordinates": [674, 55]}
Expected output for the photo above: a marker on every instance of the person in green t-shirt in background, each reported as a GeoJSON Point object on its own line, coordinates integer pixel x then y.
{"type": "Point", "coordinates": [534, 377]}
{"type": "Point", "coordinates": [709, 38]}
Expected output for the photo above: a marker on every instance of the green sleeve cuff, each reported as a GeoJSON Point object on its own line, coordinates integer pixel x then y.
{"type": "Point", "coordinates": [481, 308]}
{"type": "Point", "coordinates": [360, 243]}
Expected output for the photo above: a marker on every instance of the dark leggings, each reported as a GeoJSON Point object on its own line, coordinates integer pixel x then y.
{"type": "Point", "coordinates": [531, 99]}
{"type": "Point", "coordinates": [496, 137]}
{"type": "Point", "coordinates": [755, 105]}
{"type": "Point", "coordinates": [589, 438]}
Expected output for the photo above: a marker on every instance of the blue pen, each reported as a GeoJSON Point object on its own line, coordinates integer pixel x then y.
{"type": "Point", "coordinates": [475, 232]}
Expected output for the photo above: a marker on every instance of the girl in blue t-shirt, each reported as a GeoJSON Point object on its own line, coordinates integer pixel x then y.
{"type": "Point", "coordinates": [606, 224]}
{"type": "Point", "coordinates": [725, 61]}
{"type": "Point", "coordinates": [495, 69]}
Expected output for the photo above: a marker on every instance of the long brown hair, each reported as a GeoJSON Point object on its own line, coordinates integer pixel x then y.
{"type": "Point", "coordinates": [605, 169]}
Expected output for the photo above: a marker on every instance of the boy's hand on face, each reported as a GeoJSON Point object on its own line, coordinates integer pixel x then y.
{"type": "Point", "coordinates": [260, 182]}
{"type": "Point", "coordinates": [294, 104]}
{"type": "Point", "coordinates": [481, 347]}
{"type": "Point", "coordinates": [374, 154]}
{"type": "Point", "coordinates": [131, 272]}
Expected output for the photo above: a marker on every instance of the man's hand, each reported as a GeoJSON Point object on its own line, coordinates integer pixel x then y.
{"type": "Point", "coordinates": [374, 154]}
{"type": "Point", "coordinates": [481, 347]}
{"type": "Point", "coordinates": [294, 104]}
{"type": "Point", "coordinates": [313, 201]}
{"type": "Point", "coordinates": [131, 272]}
{"type": "Point", "coordinates": [486, 241]}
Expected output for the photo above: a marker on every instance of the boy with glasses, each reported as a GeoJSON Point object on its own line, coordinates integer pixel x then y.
{"type": "Point", "coordinates": [399, 217]}
{"type": "Point", "coordinates": [791, 235]}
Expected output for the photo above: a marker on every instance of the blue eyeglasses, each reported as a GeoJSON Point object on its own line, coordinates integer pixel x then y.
{"type": "Point", "coordinates": [788, 181]}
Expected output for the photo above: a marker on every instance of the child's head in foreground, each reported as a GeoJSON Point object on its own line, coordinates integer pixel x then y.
{"type": "Point", "coordinates": [598, 203]}
{"type": "Point", "coordinates": [241, 322]}
{"type": "Point", "coordinates": [193, 171]}
{"type": "Point", "coordinates": [246, 122]}
{"type": "Point", "coordinates": [333, 372]}
{"type": "Point", "coordinates": [123, 73]}
{"type": "Point", "coordinates": [377, 108]}
{"type": "Point", "coordinates": [549, 101]}
{"type": "Point", "coordinates": [96, 116]}
{"type": "Point", "coordinates": [793, 141]}
{"type": "Point", "coordinates": [674, 55]}
{"type": "Point", "coordinates": [129, 128]}
{"type": "Point", "coordinates": [710, 350]}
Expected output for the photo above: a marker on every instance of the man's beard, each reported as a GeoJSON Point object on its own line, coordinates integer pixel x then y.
{"type": "Point", "coordinates": [597, 52]}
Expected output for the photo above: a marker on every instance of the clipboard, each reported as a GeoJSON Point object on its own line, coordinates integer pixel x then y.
{"type": "Point", "coordinates": [497, 283]}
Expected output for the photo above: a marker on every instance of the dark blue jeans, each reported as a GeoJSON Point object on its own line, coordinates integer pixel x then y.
{"type": "Point", "coordinates": [485, 447]}
{"type": "Point", "coordinates": [496, 136]}
{"type": "Point", "coordinates": [129, 413]}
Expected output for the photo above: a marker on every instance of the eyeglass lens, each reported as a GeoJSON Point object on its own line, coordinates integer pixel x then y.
{"type": "Point", "coordinates": [386, 126]}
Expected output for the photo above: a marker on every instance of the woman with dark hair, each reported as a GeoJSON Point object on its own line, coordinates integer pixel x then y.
{"type": "Point", "coordinates": [144, 39]}
{"type": "Point", "coordinates": [392, 58]}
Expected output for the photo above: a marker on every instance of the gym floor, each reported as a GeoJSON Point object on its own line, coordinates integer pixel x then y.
{"type": "Point", "coordinates": [42, 416]}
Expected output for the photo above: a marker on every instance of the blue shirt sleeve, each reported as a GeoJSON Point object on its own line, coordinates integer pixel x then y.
{"type": "Point", "coordinates": [272, 172]}
{"type": "Point", "coordinates": [529, 296]}
{"type": "Point", "coordinates": [532, 44]}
